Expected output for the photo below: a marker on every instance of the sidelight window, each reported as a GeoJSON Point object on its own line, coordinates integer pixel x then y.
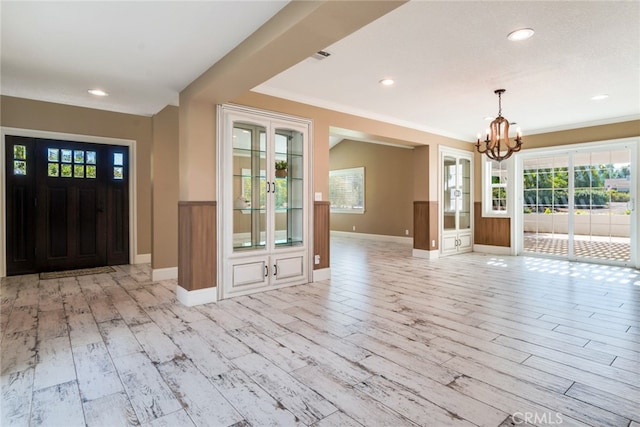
{"type": "Point", "coordinates": [19, 160]}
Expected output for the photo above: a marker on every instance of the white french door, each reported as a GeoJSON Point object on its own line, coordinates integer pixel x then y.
{"type": "Point", "coordinates": [579, 203]}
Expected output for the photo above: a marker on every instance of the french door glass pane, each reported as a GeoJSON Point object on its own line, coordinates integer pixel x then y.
{"type": "Point", "coordinates": [601, 216]}
{"type": "Point", "coordinates": [249, 186]}
{"type": "Point", "coordinates": [545, 216]}
{"type": "Point", "coordinates": [464, 187]}
{"type": "Point", "coordinates": [289, 187]}
{"type": "Point", "coordinates": [590, 220]}
{"type": "Point", "coordinates": [450, 192]}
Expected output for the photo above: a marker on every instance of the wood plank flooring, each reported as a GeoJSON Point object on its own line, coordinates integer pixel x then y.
{"type": "Point", "coordinates": [390, 340]}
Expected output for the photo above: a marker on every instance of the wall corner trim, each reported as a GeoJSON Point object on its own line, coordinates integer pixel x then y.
{"type": "Point", "coordinates": [168, 273]}
{"type": "Point", "coordinates": [197, 297]}
{"type": "Point", "coordinates": [420, 253]}
{"type": "Point", "coordinates": [321, 274]}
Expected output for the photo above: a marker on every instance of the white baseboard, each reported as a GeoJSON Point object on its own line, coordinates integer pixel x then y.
{"type": "Point", "coordinates": [495, 250]}
{"type": "Point", "coordinates": [142, 259]}
{"type": "Point", "coordinates": [321, 274]}
{"type": "Point", "coordinates": [197, 297]}
{"type": "Point", "coordinates": [164, 273]}
{"type": "Point", "coordinates": [378, 237]}
{"type": "Point", "coordinates": [421, 253]}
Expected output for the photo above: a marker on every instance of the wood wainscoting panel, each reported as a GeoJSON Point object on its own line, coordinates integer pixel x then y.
{"type": "Point", "coordinates": [490, 230]}
{"type": "Point", "coordinates": [425, 225]}
{"type": "Point", "coordinates": [321, 231]}
{"type": "Point", "coordinates": [197, 245]}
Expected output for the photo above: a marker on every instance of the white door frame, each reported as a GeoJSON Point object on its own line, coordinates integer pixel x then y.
{"type": "Point", "coordinates": [632, 143]}
{"type": "Point", "coordinates": [32, 133]}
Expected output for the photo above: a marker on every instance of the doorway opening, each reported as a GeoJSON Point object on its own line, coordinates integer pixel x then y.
{"type": "Point", "coordinates": [579, 204]}
{"type": "Point", "coordinates": [66, 202]}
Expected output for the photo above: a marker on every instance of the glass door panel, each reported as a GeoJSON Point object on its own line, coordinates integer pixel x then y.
{"type": "Point", "coordinates": [602, 227]}
{"type": "Point", "coordinates": [450, 199]}
{"type": "Point", "coordinates": [249, 186]}
{"type": "Point", "coordinates": [578, 205]}
{"type": "Point", "coordinates": [464, 190]}
{"type": "Point", "coordinates": [546, 207]}
{"type": "Point", "coordinates": [289, 187]}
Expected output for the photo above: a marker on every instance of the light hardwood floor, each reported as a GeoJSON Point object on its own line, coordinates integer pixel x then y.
{"type": "Point", "coordinates": [391, 340]}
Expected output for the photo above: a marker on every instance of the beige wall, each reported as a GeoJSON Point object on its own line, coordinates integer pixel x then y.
{"type": "Point", "coordinates": [46, 116]}
{"type": "Point", "coordinates": [164, 184]}
{"type": "Point", "coordinates": [328, 121]}
{"type": "Point", "coordinates": [388, 188]}
{"type": "Point", "coordinates": [572, 136]}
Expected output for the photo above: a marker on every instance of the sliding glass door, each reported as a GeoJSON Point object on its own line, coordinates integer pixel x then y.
{"type": "Point", "coordinates": [579, 204]}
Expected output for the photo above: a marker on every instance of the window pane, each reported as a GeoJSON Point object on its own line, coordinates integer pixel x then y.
{"type": "Point", "coordinates": [19, 167]}
{"type": "Point", "coordinates": [53, 154]}
{"type": "Point", "coordinates": [91, 171]}
{"type": "Point", "coordinates": [65, 171]}
{"type": "Point", "coordinates": [346, 190]}
{"type": "Point", "coordinates": [19, 152]}
{"type": "Point", "coordinates": [78, 157]}
{"type": "Point", "coordinates": [118, 159]}
{"type": "Point", "coordinates": [78, 171]}
{"type": "Point", "coordinates": [118, 172]}
{"type": "Point", "coordinates": [53, 169]}
{"type": "Point", "coordinates": [91, 157]}
{"type": "Point", "coordinates": [67, 156]}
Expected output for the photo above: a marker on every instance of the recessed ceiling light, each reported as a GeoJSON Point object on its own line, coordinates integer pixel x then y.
{"type": "Point", "coordinates": [599, 97]}
{"type": "Point", "coordinates": [98, 92]}
{"type": "Point", "coordinates": [387, 82]}
{"type": "Point", "coordinates": [520, 34]}
{"type": "Point", "coordinates": [489, 118]}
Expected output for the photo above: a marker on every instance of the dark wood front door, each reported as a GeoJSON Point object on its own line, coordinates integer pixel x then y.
{"type": "Point", "coordinates": [67, 205]}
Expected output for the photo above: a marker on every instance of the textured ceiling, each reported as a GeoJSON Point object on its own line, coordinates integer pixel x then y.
{"type": "Point", "coordinates": [143, 53]}
{"type": "Point", "coordinates": [447, 59]}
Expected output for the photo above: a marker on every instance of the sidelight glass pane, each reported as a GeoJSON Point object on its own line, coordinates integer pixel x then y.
{"type": "Point", "coordinates": [118, 172]}
{"type": "Point", "coordinates": [78, 171]}
{"type": "Point", "coordinates": [20, 152]}
{"type": "Point", "coordinates": [78, 156]}
{"type": "Point", "coordinates": [118, 159]}
{"type": "Point", "coordinates": [53, 154]}
{"type": "Point", "coordinates": [67, 155]}
{"type": "Point", "coordinates": [91, 157]}
{"type": "Point", "coordinates": [53, 169]}
{"type": "Point", "coordinates": [91, 171]}
{"type": "Point", "coordinates": [66, 171]}
{"type": "Point", "coordinates": [19, 167]}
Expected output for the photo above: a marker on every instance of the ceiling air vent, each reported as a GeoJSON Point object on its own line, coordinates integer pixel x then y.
{"type": "Point", "coordinates": [321, 54]}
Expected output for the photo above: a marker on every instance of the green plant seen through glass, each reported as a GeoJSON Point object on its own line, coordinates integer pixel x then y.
{"type": "Point", "coordinates": [281, 192]}
{"type": "Point", "coordinates": [548, 187]}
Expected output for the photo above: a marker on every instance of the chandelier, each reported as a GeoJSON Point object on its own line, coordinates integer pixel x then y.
{"type": "Point", "coordinates": [496, 145]}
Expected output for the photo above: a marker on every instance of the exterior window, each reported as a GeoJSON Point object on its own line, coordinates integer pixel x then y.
{"type": "Point", "coordinates": [19, 160]}
{"type": "Point", "coordinates": [495, 187]}
{"type": "Point", "coordinates": [118, 163]}
{"type": "Point", "coordinates": [346, 190]}
{"type": "Point", "coordinates": [60, 163]}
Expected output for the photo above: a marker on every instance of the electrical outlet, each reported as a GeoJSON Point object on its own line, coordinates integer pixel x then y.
{"type": "Point", "coordinates": [316, 259]}
{"type": "Point", "coordinates": [354, 228]}
{"type": "Point", "coordinates": [406, 232]}
{"type": "Point", "coordinates": [433, 243]}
